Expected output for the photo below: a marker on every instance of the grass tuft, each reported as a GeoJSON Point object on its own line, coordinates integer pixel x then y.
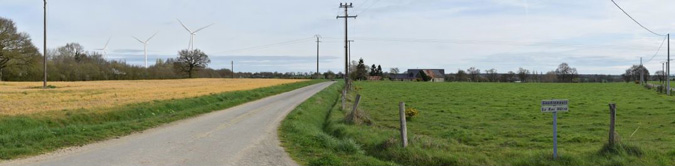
{"type": "Point", "coordinates": [620, 149]}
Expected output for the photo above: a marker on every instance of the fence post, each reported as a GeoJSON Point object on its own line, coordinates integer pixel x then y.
{"type": "Point", "coordinates": [343, 98]}
{"type": "Point", "coordinates": [612, 118]}
{"type": "Point", "coordinates": [356, 105]}
{"type": "Point", "coordinates": [404, 131]}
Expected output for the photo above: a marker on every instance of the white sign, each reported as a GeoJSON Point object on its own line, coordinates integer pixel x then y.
{"type": "Point", "coordinates": [554, 105]}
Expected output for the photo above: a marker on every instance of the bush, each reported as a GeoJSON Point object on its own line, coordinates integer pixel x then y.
{"type": "Point", "coordinates": [410, 113]}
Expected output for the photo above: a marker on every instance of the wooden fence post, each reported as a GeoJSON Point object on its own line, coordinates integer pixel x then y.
{"type": "Point", "coordinates": [404, 131]}
{"type": "Point", "coordinates": [612, 118]}
{"type": "Point", "coordinates": [356, 105]}
{"type": "Point", "coordinates": [344, 94]}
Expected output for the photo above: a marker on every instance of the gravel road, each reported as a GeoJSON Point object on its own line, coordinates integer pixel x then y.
{"type": "Point", "coordinates": [242, 135]}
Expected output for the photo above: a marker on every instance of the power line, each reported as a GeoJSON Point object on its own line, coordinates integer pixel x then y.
{"type": "Point", "coordinates": [482, 42]}
{"type": "Point", "coordinates": [371, 5]}
{"type": "Point", "coordinates": [657, 51]}
{"type": "Point", "coordinates": [624, 12]}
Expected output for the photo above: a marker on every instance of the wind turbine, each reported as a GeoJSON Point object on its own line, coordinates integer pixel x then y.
{"type": "Point", "coordinates": [145, 47]}
{"type": "Point", "coordinates": [192, 33]}
{"type": "Point", "coordinates": [105, 48]}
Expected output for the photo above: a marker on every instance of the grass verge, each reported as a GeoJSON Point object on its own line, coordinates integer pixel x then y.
{"type": "Point", "coordinates": [304, 133]}
{"type": "Point", "coordinates": [26, 135]}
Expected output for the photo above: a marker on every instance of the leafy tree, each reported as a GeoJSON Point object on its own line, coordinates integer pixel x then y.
{"type": "Point", "coordinates": [461, 75]}
{"type": "Point", "coordinates": [361, 71]}
{"type": "Point", "coordinates": [189, 61]}
{"type": "Point", "coordinates": [373, 70]}
{"type": "Point", "coordinates": [565, 73]}
{"type": "Point", "coordinates": [329, 75]}
{"type": "Point", "coordinates": [16, 49]}
{"type": "Point", "coordinates": [474, 74]}
{"type": "Point", "coordinates": [523, 74]}
{"type": "Point", "coordinates": [379, 70]}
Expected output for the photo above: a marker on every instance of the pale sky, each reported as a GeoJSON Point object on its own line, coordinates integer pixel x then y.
{"type": "Point", "coordinates": [591, 35]}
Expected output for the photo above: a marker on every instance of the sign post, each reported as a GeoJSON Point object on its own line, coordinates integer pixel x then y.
{"type": "Point", "coordinates": [555, 106]}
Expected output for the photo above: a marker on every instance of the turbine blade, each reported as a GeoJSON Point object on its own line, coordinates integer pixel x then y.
{"type": "Point", "coordinates": [139, 40]}
{"type": "Point", "coordinates": [186, 28]}
{"type": "Point", "coordinates": [106, 43]}
{"type": "Point", "coordinates": [203, 28]}
{"type": "Point", "coordinates": [151, 37]}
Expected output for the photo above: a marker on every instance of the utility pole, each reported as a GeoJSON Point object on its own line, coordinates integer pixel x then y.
{"type": "Point", "coordinates": [349, 44]}
{"type": "Point", "coordinates": [641, 72]}
{"type": "Point", "coordinates": [668, 67]}
{"type": "Point", "coordinates": [663, 72]}
{"type": "Point", "coordinates": [317, 55]}
{"type": "Point", "coordinates": [346, 17]}
{"type": "Point", "coordinates": [232, 68]}
{"type": "Point", "coordinates": [44, 83]}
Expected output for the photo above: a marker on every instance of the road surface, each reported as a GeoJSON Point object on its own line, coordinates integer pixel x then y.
{"type": "Point", "coordinates": [242, 135]}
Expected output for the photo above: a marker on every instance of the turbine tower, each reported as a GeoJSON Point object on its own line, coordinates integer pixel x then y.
{"type": "Point", "coordinates": [105, 48]}
{"type": "Point", "coordinates": [192, 34]}
{"type": "Point", "coordinates": [145, 47]}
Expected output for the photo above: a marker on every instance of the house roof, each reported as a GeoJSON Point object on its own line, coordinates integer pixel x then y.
{"type": "Point", "coordinates": [433, 73]}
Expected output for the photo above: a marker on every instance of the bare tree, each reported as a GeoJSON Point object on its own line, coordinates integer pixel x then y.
{"type": "Point", "coordinates": [508, 77]}
{"type": "Point", "coordinates": [565, 73]}
{"type": "Point", "coordinates": [474, 74]}
{"type": "Point", "coordinates": [492, 75]}
{"type": "Point", "coordinates": [394, 70]}
{"type": "Point", "coordinates": [190, 61]}
{"type": "Point", "coordinates": [660, 75]}
{"type": "Point", "coordinates": [523, 74]}
{"type": "Point", "coordinates": [633, 73]}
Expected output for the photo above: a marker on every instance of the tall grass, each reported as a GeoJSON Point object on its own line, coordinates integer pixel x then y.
{"type": "Point", "coordinates": [25, 135]}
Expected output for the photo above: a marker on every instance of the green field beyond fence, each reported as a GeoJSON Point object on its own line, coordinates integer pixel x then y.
{"type": "Point", "coordinates": [489, 124]}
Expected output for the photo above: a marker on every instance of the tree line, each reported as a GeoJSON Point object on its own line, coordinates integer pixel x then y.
{"type": "Point", "coordinates": [20, 60]}
{"type": "Point", "coordinates": [564, 73]}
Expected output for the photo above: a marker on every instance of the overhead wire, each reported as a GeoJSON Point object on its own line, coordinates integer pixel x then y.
{"type": "Point", "coordinates": [657, 51]}
{"type": "Point", "coordinates": [624, 12]}
{"type": "Point", "coordinates": [482, 42]}
{"type": "Point", "coordinates": [366, 9]}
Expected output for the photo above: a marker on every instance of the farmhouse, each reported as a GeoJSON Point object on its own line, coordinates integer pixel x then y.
{"type": "Point", "coordinates": [433, 75]}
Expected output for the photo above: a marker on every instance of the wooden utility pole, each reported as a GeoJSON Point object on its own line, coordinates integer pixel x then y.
{"type": "Point", "coordinates": [317, 55]}
{"type": "Point", "coordinates": [346, 17]}
{"type": "Point", "coordinates": [668, 67]}
{"type": "Point", "coordinates": [44, 83]}
{"type": "Point", "coordinates": [232, 68]}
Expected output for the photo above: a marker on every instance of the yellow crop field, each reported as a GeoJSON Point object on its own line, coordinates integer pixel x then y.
{"type": "Point", "coordinates": [27, 97]}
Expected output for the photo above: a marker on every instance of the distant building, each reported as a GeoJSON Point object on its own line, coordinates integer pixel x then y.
{"type": "Point", "coordinates": [435, 75]}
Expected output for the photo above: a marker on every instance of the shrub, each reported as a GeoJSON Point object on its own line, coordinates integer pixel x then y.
{"type": "Point", "coordinates": [410, 113]}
